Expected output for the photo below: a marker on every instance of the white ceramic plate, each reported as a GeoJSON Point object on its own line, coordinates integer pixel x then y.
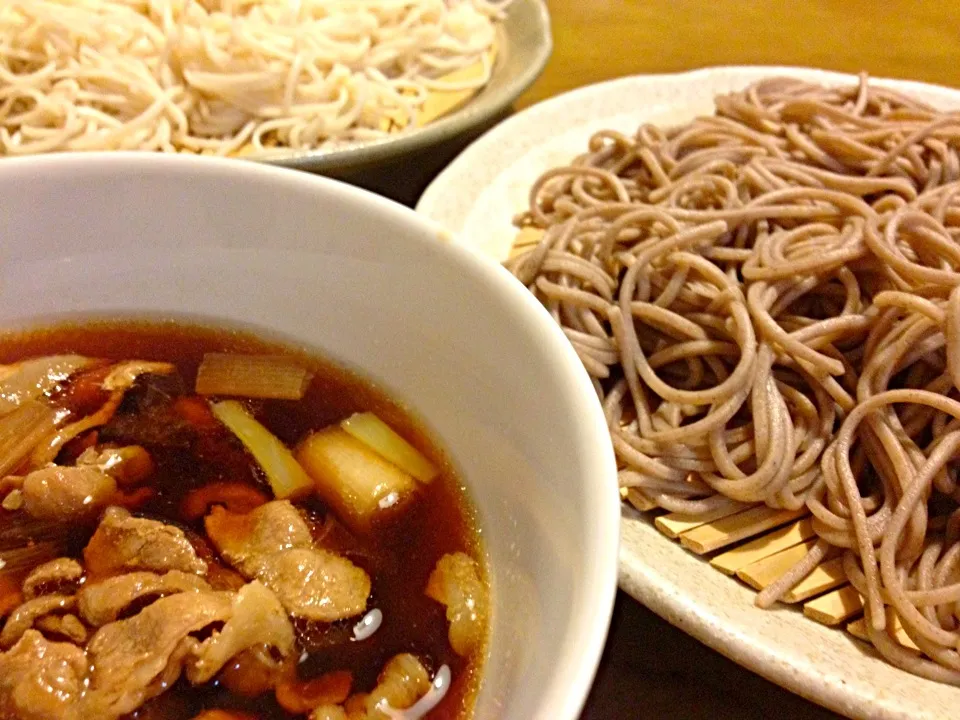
{"type": "Point", "coordinates": [476, 197]}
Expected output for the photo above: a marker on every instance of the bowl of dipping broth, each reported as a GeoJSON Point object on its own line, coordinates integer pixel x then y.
{"type": "Point", "coordinates": [278, 448]}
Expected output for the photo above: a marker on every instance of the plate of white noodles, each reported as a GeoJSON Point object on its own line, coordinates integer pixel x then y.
{"type": "Point", "coordinates": [320, 85]}
{"type": "Point", "coordinates": [759, 270]}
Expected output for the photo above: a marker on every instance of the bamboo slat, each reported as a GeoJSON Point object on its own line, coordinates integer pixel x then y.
{"type": "Point", "coordinates": [835, 607]}
{"type": "Point", "coordinates": [639, 501]}
{"type": "Point", "coordinates": [826, 576]}
{"type": "Point", "coordinates": [766, 571]}
{"type": "Point", "coordinates": [674, 524]}
{"type": "Point", "coordinates": [858, 628]}
{"type": "Point", "coordinates": [528, 237]}
{"type": "Point", "coordinates": [899, 634]}
{"type": "Point", "coordinates": [737, 527]}
{"type": "Point", "coordinates": [440, 102]}
{"type": "Point", "coordinates": [773, 542]}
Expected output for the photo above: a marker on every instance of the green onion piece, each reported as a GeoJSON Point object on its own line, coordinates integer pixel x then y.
{"type": "Point", "coordinates": [31, 379]}
{"type": "Point", "coordinates": [383, 440]}
{"type": "Point", "coordinates": [287, 479]}
{"type": "Point", "coordinates": [23, 429]}
{"type": "Point", "coordinates": [273, 377]}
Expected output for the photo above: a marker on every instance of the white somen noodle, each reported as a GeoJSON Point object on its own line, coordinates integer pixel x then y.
{"type": "Point", "coordinates": [228, 76]}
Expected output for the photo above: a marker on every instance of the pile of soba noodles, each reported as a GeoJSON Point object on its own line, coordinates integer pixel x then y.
{"type": "Point", "coordinates": [768, 302]}
{"type": "Point", "coordinates": [222, 76]}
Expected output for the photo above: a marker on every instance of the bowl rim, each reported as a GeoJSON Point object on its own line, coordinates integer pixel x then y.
{"type": "Point", "coordinates": [571, 683]}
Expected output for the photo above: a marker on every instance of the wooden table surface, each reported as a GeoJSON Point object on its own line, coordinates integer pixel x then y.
{"type": "Point", "coordinates": [596, 40]}
{"type": "Point", "coordinates": [650, 669]}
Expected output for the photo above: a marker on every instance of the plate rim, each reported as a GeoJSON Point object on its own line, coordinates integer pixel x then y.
{"type": "Point", "coordinates": [431, 200]}
{"type": "Point", "coordinates": [476, 111]}
{"type": "Point", "coordinates": [649, 584]}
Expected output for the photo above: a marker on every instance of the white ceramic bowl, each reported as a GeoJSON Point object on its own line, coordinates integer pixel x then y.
{"type": "Point", "coordinates": [371, 284]}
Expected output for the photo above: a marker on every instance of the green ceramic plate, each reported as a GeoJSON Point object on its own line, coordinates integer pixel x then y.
{"type": "Point", "coordinates": [524, 46]}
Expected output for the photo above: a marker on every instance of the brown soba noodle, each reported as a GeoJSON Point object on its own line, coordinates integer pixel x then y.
{"type": "Point", "coordinates": [768, 302]}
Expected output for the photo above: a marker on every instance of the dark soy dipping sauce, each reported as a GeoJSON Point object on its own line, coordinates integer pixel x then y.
{"type": "Point", "coordinates": [399, 558]}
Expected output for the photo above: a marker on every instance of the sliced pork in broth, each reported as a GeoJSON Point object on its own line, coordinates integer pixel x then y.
{"type": "Point", "coordinates": [197, 524]}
